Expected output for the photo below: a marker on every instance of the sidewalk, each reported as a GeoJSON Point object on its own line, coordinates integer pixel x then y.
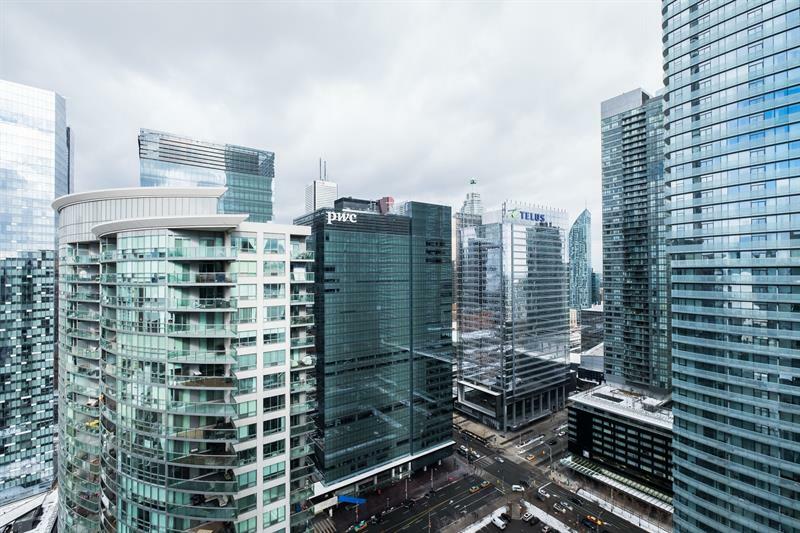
{"type": "Point", "coordinates": [626, 515]}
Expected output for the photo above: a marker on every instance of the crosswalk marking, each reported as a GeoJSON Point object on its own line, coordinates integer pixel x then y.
{"type": "Point", "coordinates": [324, 526]}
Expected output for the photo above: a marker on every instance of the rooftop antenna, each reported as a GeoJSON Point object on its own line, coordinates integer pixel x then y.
{"type": "Point", "coordinates": [320, 168]}
{"type": "Point", "coordinates": [325, 170]}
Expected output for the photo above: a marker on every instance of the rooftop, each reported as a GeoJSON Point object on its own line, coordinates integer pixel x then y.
{"type": "Point", "coordinates": [628, 403]}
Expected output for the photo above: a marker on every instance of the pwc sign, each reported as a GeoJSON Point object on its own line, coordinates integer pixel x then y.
{"type": "Point", "coordinates": [334, 216]}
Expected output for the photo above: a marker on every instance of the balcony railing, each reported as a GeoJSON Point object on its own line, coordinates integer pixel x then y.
{"type": "Point", "coordinates": [302, 320]}
{"type": "Point", "coordinates": [301, 277]}
{"type": "Point", "coordinates": [302, 255]}
{"type": "Point", "coordinates": [297, 342]}
{"type": "Point", "coordinates": [202, 278]}
{"type": "Point", "coordinates": [202, 252]}
{"type": "Point", "coordinates": [202, 304]}
{"type": "Point", "coordinates": [302, 298]}
{"type": "Point", "coordinates": [201, 330]}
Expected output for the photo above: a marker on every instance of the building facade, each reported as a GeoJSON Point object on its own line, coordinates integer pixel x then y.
{"type": "Point", "coordinates": [607, 424]}
{"type": "Point", "coordinates": [634, 261]}
{"type": "Point", "coordinates": [383, 299]}
{"type": "Point", "coordinates": [186, 366]}
{"type": "Point", "coordinates": [580, 261]}
{"type": "Point", "coordinates": [167, 160]}
{"type": "Point", "coordinates": [321, 193]}
{"type": "Point", "coordinates": [34, 169]}
{"type": "Point", "coordinates": [732, 111]}
{"type": "Point", "coordinates": [513, 319]}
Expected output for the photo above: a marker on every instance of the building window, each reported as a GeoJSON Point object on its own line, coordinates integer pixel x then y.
{"type": "Point", "coordinates": [244, 244]}
{"type": "Point", "coordinates": [274, 290]}
{"type": "Point", "coordinates": [274, 494]}
{"type": "Point", "coordinates": [274, 517]}
{"type": "Point", "coordinates": [273, 381]}
{"type": "Point", "coordinates": [274, 358]}
{"type": "Point", "coordinates": [274, 471]}
{"type": "Point", "coordinates": [273, 313]}
{"type": "Point", "coordinates": [274, 244]}
{"type": "Point", "coordinates": [274, 336]}
{"type": "Point", "coordinates": [274, 268]}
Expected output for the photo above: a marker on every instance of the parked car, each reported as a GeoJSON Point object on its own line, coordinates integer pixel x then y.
{"type": "Point", "coordinates": [566, 506]}
{"type": "Point", "coordinates": [544, 493]}
{"type": "Point", "coordinates": [499, 459]}
{"type": "Point", "coordinates": [506, 517]}
{"type": "Point", "coordinates": [545, 529]}
{"type": "Point", "coordinates": [499, 524]}
{"type": "Point", "coordinates": [558, 508]}
{"type": "Point", "coordinates": [531, 457]}
{"type": "Point", "coordinates": [517, 488]}
{"type": "Point", "coordinates": [463, 450]}
{"type": "Point", "coordinates": [527, 517]}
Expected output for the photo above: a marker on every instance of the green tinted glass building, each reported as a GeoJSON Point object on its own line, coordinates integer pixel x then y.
{"type": "Point", "coordinates": [384, 348]}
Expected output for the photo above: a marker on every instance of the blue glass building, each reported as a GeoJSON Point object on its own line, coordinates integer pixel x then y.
{"type": "Point", "coordinates": [580, 261]}
{"type": "Point", "coordinates": [34, 169]}
{"type": "Point", "coordinates": [167, 160]}
{"type": "Point", "coordinates": [732, 119]}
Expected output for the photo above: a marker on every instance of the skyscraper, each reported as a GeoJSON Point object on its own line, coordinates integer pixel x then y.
{"type": "Point", "coordinates": [580, 261]}
{"type": "Point", "coordinates": [187, 382]}
{"type": "Point", "coordinates": [321, 193]}
{"type": "Point", "coordinates": [732, 105]}
{"type": "Point", "coordinates": [634, 262]}
{"type": "Point", "coordinates": [167, 160]}
{"type": "Point", "coordinates": [513, 320]}
{"type": "Point", "coordinates": [384, 347]}
{"type": "Point", "coordinates": [34, 169]}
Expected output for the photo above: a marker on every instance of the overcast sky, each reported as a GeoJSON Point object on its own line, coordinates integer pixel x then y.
{"type": "Point", "coordinates": [409, 100]}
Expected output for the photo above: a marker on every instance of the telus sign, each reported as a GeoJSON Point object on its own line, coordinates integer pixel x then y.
{"type": "Point", "coordinates": [516, 214]}
{"type": "Point", "coordinates": [334, 216]}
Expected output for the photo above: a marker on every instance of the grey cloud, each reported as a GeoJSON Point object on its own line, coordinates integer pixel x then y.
{"type": "Point", "coordinates": [408, 100]}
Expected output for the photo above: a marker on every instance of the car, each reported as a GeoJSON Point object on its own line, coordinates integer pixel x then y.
{"type": "Point", "coordinates": [484, 484]}
{"type": "Point", "coordinates": [545, 529]}
{"type": "Point", "coordinates": [531, 457]}
{"type": "Point", "coordinates": [558, 508]}
{"type": "Point", "coordinates": [499, 459]}
{"type": "Point", "coordinates": [541, 496]}
{"type": "Point", "coordinates": [576, 500]}
{"type": "Point", "coordinates": [474, 488]}
{"type": "Point", "coordinates": [505, 517]}
{"type": "Point", "coordinates": [566, 505]}
{"type": "Point", "coordinates": [499, 524]}
{"type": "Point", "coordinates": [588, 524]}
{"type": "Point", "coordinates": [562, 433]}
{"type": "Point", "coordinates": [552, 442]}
{"type": "Point", "coordinates": [527, 517]}
{"type": "Point", "coordinates": [361, 526]}
{"type": "Point", "coordinates": [544, 493]}
{"type": "Point", "coordinates": [524, 483]}
{"type": "Point", "coordinates": [475, 454]}
{"type": "Point", "coordinates": [517, 488]}
{"type": "Point", "coordinates": [463, 450]}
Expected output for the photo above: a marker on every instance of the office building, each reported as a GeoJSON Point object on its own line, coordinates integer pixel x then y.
{"type": "Point", "coordinates": [34, 169]}
{"type": "Point", "coordinates": [383, 298]}
{"type": "Point", "coordinates": [634, 263]}
{"type": "Point", "coordinates": [622, 438]}
{"type": "Point", "coordinates": [597, 288]}
{"type": "Point", "coordinates": [513, 319]}
{"type": "Point", "coordinates": [167, 160]}
{"type": "Point", "coordinates": [580, 261]}
{"type": "Point", "coordinates": [322, 192]}
{"type": "Point", "coordinates": [186, 365]}
{"type": "Point", "coordinates": [592, 327]}
{"type": "Point", "coordinates": [732, 105]}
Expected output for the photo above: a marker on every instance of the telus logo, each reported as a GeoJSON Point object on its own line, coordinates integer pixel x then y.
{"type": "Point", "coordinates": [334, 216]}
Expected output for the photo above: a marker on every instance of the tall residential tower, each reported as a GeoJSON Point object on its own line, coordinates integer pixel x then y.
{"type": "Point", "coordinates": [580, 261]}
{"type": "Point", "coordinates": [34, 169]}
{"type": "Point", "coordinates": [732, 119]}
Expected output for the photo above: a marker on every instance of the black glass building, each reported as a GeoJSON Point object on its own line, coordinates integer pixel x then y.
{"type": "Point", "coordinates": [384, 348]}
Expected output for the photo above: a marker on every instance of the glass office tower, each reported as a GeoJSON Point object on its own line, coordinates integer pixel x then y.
{"type": "Point", "coordinates": [186, 366]}
{"type": "Point", "coordinates": [384, 347]}
{"type": "Point", "coordinates": [580, 261]}
{"type": "Point", "coordinates": [34, 169]}
{"type": "Point", "coordinates": [634, 260]}
{"type": "Point", "coordinates": [167, 160]}
{"type": "Point", "coordinates": [513, 319]}
{"type": "Point", "coordinates": [732, 111]}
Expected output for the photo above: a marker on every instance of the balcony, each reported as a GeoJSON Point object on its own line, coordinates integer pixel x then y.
{"type": "Point", "coordinates": [302, 342]}
{"type": "Point", "coordinates": [80, 278]}
{"type": "Point", "coordinates": [220, 357]}
{"type": "Point", "coordinates": [305, 362]}
{"type": "Point", "coordinates": [202, 252]}
{"type": "Point", "coordinates": [222, 432]}
{"type": "Point", "coordinates": [202, 304]}
{"type": "Point", "coordinates": [221, 408]}
{"type": "Point", "coordinates": [203, 382]}
{"type": "Point", "coordinates": [301, 298]}
{"type": "Point", "coordinates": [83, 315]}
{"type": "Point", "coordinates": [303, 385]}
{"type": "Point", "coordinates": [80, 259]}
{"type": "Point", "coordinates": [301, 451]}
{"type": "Point", "coordinates": [82, 296]}
{"type": "Point", "coordinates": [204, 458]}
{"type": "Point", "coordinates": [201, 330]}
{"type": "Point", "coordinates": [83, 333]}
{"type": "Point", "coordinates": [302, 320]}
{"type": "Point", "coordinates": [301, 277]}
{"type": "Point", "coordinates": [302, 255]}
{"type": "Point", "coordinates": [202, 278]}
{"type": "Point", "coordinates": [303, 407]}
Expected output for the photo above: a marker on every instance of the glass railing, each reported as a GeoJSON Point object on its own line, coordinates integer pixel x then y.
{"type": "Point", "coordinates": [202, 252]}
{"type": "Point", "coordinates": [211, 432]}
{"type": "Point", "coordinates": [307, 340]}
{"type": "Point", "coordinates": [301, 451]}
{"type": "Point", "coordinates": [207, 330]}
{"type": "Point", "coordinates": [308, 384]}
{"type": "Point", "coordinates": [302, 320]}
{"type": "Point", "coordinates": [132, 254]}
{"type": "Point", "coordinates": [302, 298]}
{"type": "Point", "coordinates": [203, 382]}
{"type": "Point", "coordinates": [202, 356]}
{"type": "Point", "coordinates": [83, 296]}
{"type": "Point", "coordinates": [302, 255]}
{"type": "Point", "coordinates": [303, 277]}
{"type": "Point", "coordinates": [304, 407]}
{"type": "Point", "coordinates": [83, 315]}
{"type": "Point", "coordinates": [77, 278]}
{"type": "Point", "coordinates": [79, 259]}
{"type": "Point", "coordinates": [202, 277]}
{"type": "Point", "coordinates": [203, 303]}
{"type": "Point", "coordinates": [117, 301]}
{"type": "Point", "coordinates": [83, 333]}
{"type": "Point", "coordinates": [306, 361]}
{"type": "Point", "coordinates": [218, 408]}
{"type": "Point", "coordinates": [211, 508]}
{"type": "Point", "coordinates": [203, 459]}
